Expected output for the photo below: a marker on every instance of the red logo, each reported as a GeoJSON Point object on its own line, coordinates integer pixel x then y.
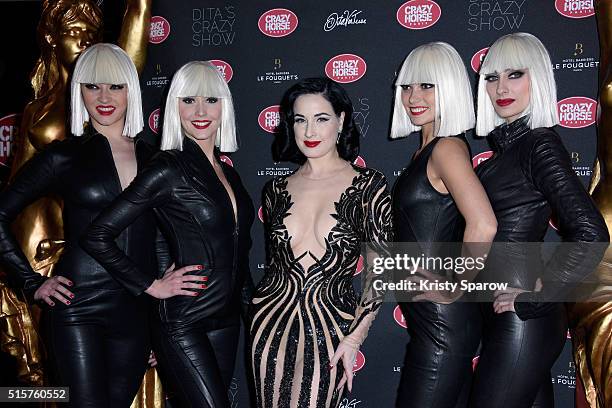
{"type": "Point", "coordinates": [154, 121]}
{"type": "Point", "coordinates": [478, 58]}
{"type": "Point", "coordinates": [277, 22]}
{"type": "Point", "coordinates": [224, 68]}
{"type": "Point", "coordinates": [359, 162]}
{"type": "Point", "coordinates": [399, 317]}
{"type": "Point", "coordinates": [575, 8]}
{"type": "Point", "coordinates": [481, 157]}
{"type": "Point", "coordinates": [418, 14]}
{"type": "Point", "coordinates": [9, 128]}
{"type": "Point", "coordinates": [260, 214]}
{"type": "Point", "coordinates": [269, 118]}
{"type": "Point", "coordinates": [160, 30]}
{"type": "Point", "coordinates": [225, 159]}
{"type": "Point", "coordinates": [577, 112]}
{"type": "Point", "coordinates": [359, 362]}
{"type": "Point", "coordinates": [345, 68]}
{"type": "Point", "coordinates": [359, 266]}
{"type": "Point", "coordinates": [475, 362]}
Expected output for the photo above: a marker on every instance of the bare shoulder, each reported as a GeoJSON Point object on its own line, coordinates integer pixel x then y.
{"type": "Point", "coordinates": [450, 155]}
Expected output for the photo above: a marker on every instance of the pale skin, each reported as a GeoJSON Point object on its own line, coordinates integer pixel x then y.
{"type": "Point", "coordinates": [450, 171]}
{"type": "Point", "coordinates": [106, 105]}
{"type": "Point", "coordinates": [509, 93]}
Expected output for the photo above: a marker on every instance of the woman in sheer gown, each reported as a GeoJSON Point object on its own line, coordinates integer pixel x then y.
{"type": "Point", "coordinates": [305, 315]}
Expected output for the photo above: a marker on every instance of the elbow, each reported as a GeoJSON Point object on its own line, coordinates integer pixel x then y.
{"type": "Point", "coordinates": [483, 230]}
{"type": "Point", "coordinates": [89, 241]}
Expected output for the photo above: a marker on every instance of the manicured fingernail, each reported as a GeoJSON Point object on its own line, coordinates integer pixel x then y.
{"type": "Point", "coordinates": [52, 304]}
{"type": "Point", "coordinates": [203, 286]}
{"type": "Point", "coordinates": [200, 267]}
{"type": "Point", "coordinates": [67, 302]}
{"type": "Point", "coordinates": [71, 296]}
{"type": "Point", "coordinates": [69, 283]}
{"type": "Point", "coordinates": [204, 278]}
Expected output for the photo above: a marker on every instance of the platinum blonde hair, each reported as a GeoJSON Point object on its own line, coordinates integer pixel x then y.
{"type": "Point", "coordinates": [513, 52]}
{"type": "Point", "coordinates": [198, 78]}
{"type": "Point", "coordinates": [436, 63]}
{"type": "Point", "coordinates": [104, 63]}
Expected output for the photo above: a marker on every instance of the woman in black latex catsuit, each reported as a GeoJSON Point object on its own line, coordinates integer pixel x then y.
{"type": "Point", "coordinates": [438, 198]}
{"type": "Point", "coordinates": [529, 177]}
{"type": "Point", "coordinates": [205, 214]}
{"type": "Point", "coordinates": [95, 327]}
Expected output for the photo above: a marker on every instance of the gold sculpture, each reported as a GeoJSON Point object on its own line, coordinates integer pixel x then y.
{"type": "Point", "coordinates": [66, 28]}
{"type": "Point", "coordinates": [592, 321]}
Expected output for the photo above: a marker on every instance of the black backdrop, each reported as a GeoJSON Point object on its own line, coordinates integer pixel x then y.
{"type": "Point", "coordinates": [262, 47]}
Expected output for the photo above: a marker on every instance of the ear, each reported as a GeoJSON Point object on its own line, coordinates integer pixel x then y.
{"type": "Point", "coordinates": [341, 120]}
{"type": "Point", "coordinates": [49, 39]}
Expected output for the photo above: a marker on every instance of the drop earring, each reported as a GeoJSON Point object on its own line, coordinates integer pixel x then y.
{"type": "Point", "coordinates": [338, 137]}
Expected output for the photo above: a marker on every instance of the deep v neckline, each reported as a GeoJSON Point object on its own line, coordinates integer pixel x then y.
{"type": "Point", "coordinates": [327, 237]}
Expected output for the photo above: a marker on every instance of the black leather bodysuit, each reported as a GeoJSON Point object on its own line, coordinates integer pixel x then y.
{"type": "Point", "coordinates": [443, 338]}
{"type": "Point", "coordinates": [98, 345]}
{"type": "Point", "coordinates": [195, 337]}
{"type": "Point", "coordinates": [529, 178]}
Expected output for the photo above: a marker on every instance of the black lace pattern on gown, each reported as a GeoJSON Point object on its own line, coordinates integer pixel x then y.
{"type": "Point", "coordinates": [299, 316]}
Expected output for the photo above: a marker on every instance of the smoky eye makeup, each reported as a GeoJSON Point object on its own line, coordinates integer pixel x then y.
{"type": "Point", "coordinates": [516, 74]}
{"type": "Point", "coordinates": [491, 77]}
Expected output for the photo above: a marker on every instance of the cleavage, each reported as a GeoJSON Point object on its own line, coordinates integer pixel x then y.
{"type": "Point", "coordinates": [311, 218]}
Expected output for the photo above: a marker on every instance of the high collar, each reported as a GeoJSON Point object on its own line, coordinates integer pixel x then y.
{"type": "Point", "coordinates": [504, 135]}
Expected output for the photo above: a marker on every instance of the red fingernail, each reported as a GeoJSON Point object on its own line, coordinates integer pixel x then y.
{"type": "Point", "coordinates": [52, 304]}
{"type": "Point", "coordinates": [204, 278]}
{"type": "Point", "coordinates": [203, 286]}
{"type": "Point", "coordinates": [200, 267]}
{"type": "Point", "coordinates": [71, 296]}
{"type": "Point", "coordinates": [67, 302]}
{"type": "Point", "coordinates": [69, 283]}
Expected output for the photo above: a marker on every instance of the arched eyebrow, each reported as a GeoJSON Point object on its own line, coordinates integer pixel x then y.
{"type": "Point", "coordinates": [316, 114]}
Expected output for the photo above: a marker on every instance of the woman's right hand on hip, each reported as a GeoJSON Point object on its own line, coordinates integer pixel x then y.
{"type": "Point", "coordinates": [175, 282]}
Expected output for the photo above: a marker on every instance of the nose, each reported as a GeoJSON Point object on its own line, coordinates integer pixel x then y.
{"type": "Point", "coordinates": [502, 86]}
{"type": "Point", "coordinates": [414, 94]}
{"type": "Point", "coordinates": [309, 131]}
{"type": "Point", "coordinates": [104, 93]}
{"type": "Point", "coordinates": [86, 40]}
{"type": "Point", "coordinates": [200, 107]}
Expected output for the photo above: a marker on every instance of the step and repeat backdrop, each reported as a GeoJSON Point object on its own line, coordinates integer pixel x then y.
{"type": "Point", "coordinates": [263, 47]}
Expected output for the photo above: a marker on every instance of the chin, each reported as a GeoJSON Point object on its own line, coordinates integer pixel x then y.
{"type": "Point", "coordinates": [200, 137]}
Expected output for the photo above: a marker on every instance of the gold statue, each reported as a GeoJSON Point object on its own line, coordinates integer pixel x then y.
{"type": "Point", "coordinates": [591, 321]}
{"type": "Point", "coordinates": [66, 28]}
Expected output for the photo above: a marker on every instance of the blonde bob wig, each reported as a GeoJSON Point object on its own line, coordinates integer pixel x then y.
{"type": "Point", "coordinates": [198, 78]}
{"type": "Point", "coordinates": [104, 63]}
{"type": "Point", "coordinates": [519, 51]}
{"type": "Point", "coordinates": [436, 63]}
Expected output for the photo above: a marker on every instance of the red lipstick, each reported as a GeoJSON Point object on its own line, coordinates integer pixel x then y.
{"type": "Point", "coordinates": [105, 110]}
{"type": "Point", "coordinates": [311, 143]}
{"type": "Point", "coordinates": [419, 110]}
{"type": "Point", "coordinates": [504, 102]}
{"type": "Point", "coordinates": [201, 124]}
